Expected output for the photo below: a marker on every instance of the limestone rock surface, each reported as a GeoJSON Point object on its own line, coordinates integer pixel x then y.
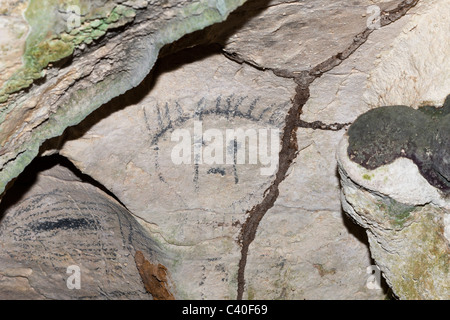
{"type": "Point", "coordinates": [284, 260]}
{"type": "Point", "coordinates": [60, 228]}
{"type": "Point", "coordinates": [261, 217]}
{"type": "Point", "coordinates": [407, 224]}
{"type": "Point", "coordinates": [307, 32]}
{"type": "Point", "coordinates": [406, 217]}
{"type": "Point", "coordinates": [196, 209]}
{"type": "Point", "coordinates": [77, 57]}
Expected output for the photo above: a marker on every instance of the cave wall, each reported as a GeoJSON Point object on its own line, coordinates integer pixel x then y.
{"type": "Point", "coordinates": [295, 75]}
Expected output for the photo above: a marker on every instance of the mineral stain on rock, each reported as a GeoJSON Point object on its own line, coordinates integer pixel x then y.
{"type": "Point", "coordinates": [154, 278]}
{"type": "Point", "coordinates": [384, 134]}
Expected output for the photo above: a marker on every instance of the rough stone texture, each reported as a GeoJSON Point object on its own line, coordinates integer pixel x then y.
{"type": "Point", "coordinates": [397, 65]}
{"type": "Point", "coordinates": [338, 95]}
{"type": "Point", "coordinates": [13, 33]}
{"type": "Point", "coordinates": [331, 277]}
{"type": "Point", "coordinates": [237, 233]}
{"type": "Point", "coordinates": [197, 210]}
{"type": "Point", "coordinates": [282, 261]}
{"type": "Point", "coordinates": [405, 215]}
{"type": "Point", "coordinates": [307, 32]}
{"type": "Point", "coordinates": [59, 222]}
{"type": "Point", "coordinates": [407, 224]}
{"type": "Point", "coordinates": [413, 71]}
{"type": "Point", "coordinates": [92, 66]}
{"type": "Point", "coordinates": [305, 248]}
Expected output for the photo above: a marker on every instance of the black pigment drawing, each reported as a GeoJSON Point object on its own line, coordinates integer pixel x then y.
{"type": "Point", "coordinates": [232, 108]}
{"type": "Point", "coordinates": [384, 134]}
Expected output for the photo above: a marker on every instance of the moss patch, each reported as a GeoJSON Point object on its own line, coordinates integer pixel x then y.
{"type": "Point", "coordinates": [384, 134]}
{"type": "Point", "coordinates": [396, 212]}
{"type": "Point", "coordinates": [424, 272]}
{"type": "Point", "coordinates": [78, 104]}
{"type": "Point", "coordinates": [52, 38]}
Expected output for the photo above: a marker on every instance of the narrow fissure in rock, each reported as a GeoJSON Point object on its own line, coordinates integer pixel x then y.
{"type": "Point", "coordinates": [288, 153]}
{"type": "Point", "coordinates": [289, 148]}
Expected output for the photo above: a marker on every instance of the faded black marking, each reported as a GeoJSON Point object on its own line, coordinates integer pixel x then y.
{"type": "Point", "coordinates": [64, 224]}
{"type": "Point", "coordinates": [220, 171]}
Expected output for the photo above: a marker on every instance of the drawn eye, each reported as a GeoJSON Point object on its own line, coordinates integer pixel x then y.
{"type": "Point", "coordinates": [166, 154]}
{"type": "Point", "coordinates": [227, 143]}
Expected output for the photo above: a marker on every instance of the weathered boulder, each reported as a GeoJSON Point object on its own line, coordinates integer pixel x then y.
{"type": "Point", "coordinates": [56, 228]}
{"type": "Point", "coordinates": [79, 56]}
{"type": "Point", "coordinates": [406, 220]}
{"type": "Point", "coordinates": [393, 161]}
{"type": "Point", "coordinates": [195, 199]}
{"type": "Point", "coordinates": [210, 214]}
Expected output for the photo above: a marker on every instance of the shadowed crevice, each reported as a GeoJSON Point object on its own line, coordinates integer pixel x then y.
{"type": "Point", "coordinates": [23, 183]}
{"type": "Point", "coordinates": [289, 148]}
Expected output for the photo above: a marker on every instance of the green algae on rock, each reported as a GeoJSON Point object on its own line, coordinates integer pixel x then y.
{"type": "Point", "coordinates": [65, 96]}
{"type": "Point", "coordinates": [53, 36]}
{"type": "Point", "coordinates": [384, 134]}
